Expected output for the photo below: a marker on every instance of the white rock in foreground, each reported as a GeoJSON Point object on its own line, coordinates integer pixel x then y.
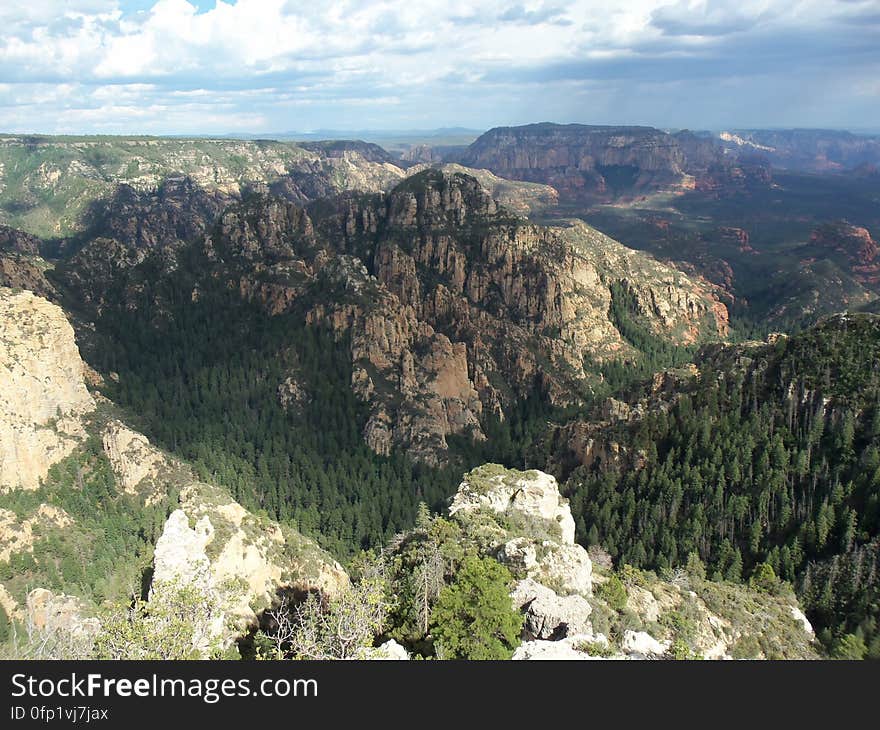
{"type": "Point", "coordinates": [216, 545]}
{"type": "Point", "coordinates": [568, 649]}
{"type": "Point", "coordinates": [389, 651]}
{"type": "Point", "coordinates": [642, 643]}
{"type": "Point", "coordinates": [539, 541]}
{"type": "Point", "coordinates": [548, 615]}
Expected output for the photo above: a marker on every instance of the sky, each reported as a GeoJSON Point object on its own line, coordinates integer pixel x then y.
{"type": "Point", "coordinates": [272, 66]}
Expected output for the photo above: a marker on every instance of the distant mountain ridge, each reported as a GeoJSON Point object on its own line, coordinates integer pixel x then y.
{"type": "Point", "coordinates": [599, 162]}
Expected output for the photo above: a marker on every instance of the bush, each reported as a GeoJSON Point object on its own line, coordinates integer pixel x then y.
{"type": "Point", "coordinates": [849, 646]}
{"type": "Point", "coordinates": [595, 648]}
{"type": "Point", "coordinates": [764, 579]}
{"type": "Point", "coordinates": [474, 617]}
{"type": "Point", "coordinates": [613, 592]}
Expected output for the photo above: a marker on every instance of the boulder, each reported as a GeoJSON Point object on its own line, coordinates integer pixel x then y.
{"type": "Point", "coordinates": [548, 615]}
{"type": "Point", "coordinates": [389, 651]}
{"type": "Point", "coordinates": [643, 644]}
{"type": "Point", "coordinates": [571, 648]}
{"type": "Point", "coordinates": [535, 535]}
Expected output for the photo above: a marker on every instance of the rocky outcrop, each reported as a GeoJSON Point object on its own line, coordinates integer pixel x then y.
{"type": "Point", "coordinates": [59, 626]}
{"type": "Point", "coordinates": [536, 539]}
{"type": "Point", "coordinates": [293, 395]}
{"type": "Point", "coordinates": [18, 534]}
{"type": "Point", "coordinates": [388, 651]}
{"type": "Point", "coordinates": [18, 271]}
{"type": "Point", "coordinates": [570, 611]}
{"type": "Point", "coordinates": [532, 494]}
{"type": "Point", "coordinates": [567, 649]}
{"type": "Point", "coordinates": [642, 643]}
{"type": "Point", "coordinates": [456, 283]}
{"type": "Point", "coordinates": [13, 240]}
{"type": "Point", "coordinates": [42, 393]}
{"type": "Point", "coordinates": [215, 544]}
{"type": "Point", "coordinates": [548, 615]}
{"type": "Point", "coordinates": [859, 249]}
{"type": "Point", "coordinates": [523, 198]}
{"type": "Point", "coordinates": [140, 469]}
{"type": "Point", "coordinates": [47, 611]}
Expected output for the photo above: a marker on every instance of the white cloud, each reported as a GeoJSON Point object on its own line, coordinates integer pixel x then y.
{"type": "Point", "coordinates": [390, 54]}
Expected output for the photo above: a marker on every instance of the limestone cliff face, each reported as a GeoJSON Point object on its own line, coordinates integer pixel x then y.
{"type": "Point", "coordinates": [140, 469]}
{"type": "Point", "coordinates": [42, 392]}
{"type": "Point", "coordinates": [214, 543]}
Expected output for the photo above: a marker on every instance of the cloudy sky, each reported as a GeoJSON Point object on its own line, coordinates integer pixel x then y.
{"type": "Point", "coordinates": [215, 66]}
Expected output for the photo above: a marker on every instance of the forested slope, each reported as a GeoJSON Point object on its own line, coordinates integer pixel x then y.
{"type": "Point", "coordinates": [769, 454]}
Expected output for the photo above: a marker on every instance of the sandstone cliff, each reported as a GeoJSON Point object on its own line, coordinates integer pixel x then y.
{"type": "Point", "coordinates": [455, 307]}
{"type": "Point", "coordinates": [42, 391]}
{"type": "Point", "coordinates": [858, 249]}
{"type": "Point", "coordinates": [580, 160]}
{"type": "Point", "coordinates": [586, 163]}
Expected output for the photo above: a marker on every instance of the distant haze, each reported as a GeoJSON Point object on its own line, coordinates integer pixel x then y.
{"type": "Point", "coordinates": [265, 66]}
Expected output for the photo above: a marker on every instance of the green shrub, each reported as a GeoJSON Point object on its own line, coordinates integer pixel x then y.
{"type": "Point", "coordinates": [474, 617]}
{"type": "Point", "coordinates": [613, 592]}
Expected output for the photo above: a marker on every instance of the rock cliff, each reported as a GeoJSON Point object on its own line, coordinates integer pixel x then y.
{"type": "Point", "coordinates": [587, 163]}
{"type": "Point", "coordinates": [455, 308]}
{"type": "Point", "coordinates": [42, 391]}
{"type": "Point", "coordinates": [859, 250]}
{"type": "Point", "coordinates": [580, 160]}
{"type": "Point", "coordinates": [507, 305]}
{"type": "Point", "coordinates": [215, 544]}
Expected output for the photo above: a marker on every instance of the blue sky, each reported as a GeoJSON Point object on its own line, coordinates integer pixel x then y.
{"type": "Point", "coordinates": [215, 66]}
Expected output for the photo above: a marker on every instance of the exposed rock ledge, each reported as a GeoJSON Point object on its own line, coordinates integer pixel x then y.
{"type": "Point", "coordinates": [42, 390]}
{"type": "Point", "coordinates": [214, 543]}
{"type": "Point", "coordinates": [539, 523]}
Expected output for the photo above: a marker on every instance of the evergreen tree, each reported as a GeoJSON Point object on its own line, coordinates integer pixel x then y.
{"type": "Point", "coordinates": [474, 617]}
